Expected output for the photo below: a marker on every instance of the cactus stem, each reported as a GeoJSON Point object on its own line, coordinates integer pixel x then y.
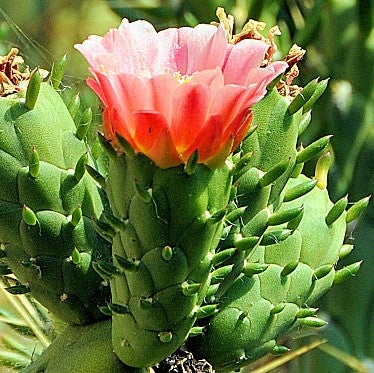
{"type": "Point", "coordinates": [18, 289]}
{"type": "Point", "coordinates": [190, 166]}
{"type": "Point", "coordinates": [247, 243]}
{"type": "Point", "coordinates": [234, 215]}
{"type": "Point", "coordinates": [219, 274]}
{"type": "Point", "coordinates": [4, 270]}
{"type": "Point", "coordinates": [34, 165]}
{"type": "Point", "coordinates": [196, 331]}
{"type": "Point", "coordinates": [216, 217]}
{"type": "Point", "coordinates": [303, 97]}
{"type": "Point", "coordinates": [75, 256]}
{"type": "Point", "coordinates": [345, 250]}
{"type": "Point", "coordinates": [305, 312]}
{"type": "Point", "coordinates": [103, 274]}
{"type": "Point", "coordinates": [320, 89]}
{"type": "Point", "coordinates": [114, 222]}
{"type": "Point", "coordinates": [242, 163]}
{"type": "Point", "coordinates": [105, 310]}
{"type": "Point", "coordinates": [108, 268]}
{"type": "Point", "coordinates": [275, 237]}
{"type": "Point", "coordinates": [279, 350]}
{"type": "Point", "coordinates": [336, 211]}
{"type": "Point", "coordinates": [222, 256]}
{"type": "Point", "coordinates": [33, 89]}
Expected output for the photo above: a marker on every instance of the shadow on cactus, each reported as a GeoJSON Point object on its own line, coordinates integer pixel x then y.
{"type": "Point", "coordinates": [219, 243]}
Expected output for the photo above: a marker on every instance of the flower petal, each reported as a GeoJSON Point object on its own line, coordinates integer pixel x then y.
{"type": "Point", "coordinates": [153, 138]}
{"type": "Point", "coordinates": [242, 58]}
{"type": "Point", "coordinates": [190, 106]}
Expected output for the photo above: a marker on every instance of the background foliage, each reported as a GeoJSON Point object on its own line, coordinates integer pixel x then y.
{"type": "Point", "coordinates": [339, 38]}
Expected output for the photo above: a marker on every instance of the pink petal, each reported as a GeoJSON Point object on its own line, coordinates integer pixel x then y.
{"type": "Point", "coordinates": [190, 105]}
{"type": "Point", "coordinates": [162, 89]}
{"type": "Point", "coordinates": [242, 58]}
{"type": "Point", "coordinates": [266, 74]}
{"type": "Point", "coordinates": [212, 78]}
{"type": "Point", "coordinates": [181, 49]}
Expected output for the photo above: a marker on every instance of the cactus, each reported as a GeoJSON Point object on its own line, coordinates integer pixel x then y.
{"type": "Point", "coordinates": [219, 243]}
{"type": "Point", "coordinates": [72, 352]}
{"type": "Point", "coordinates": [48, 203]}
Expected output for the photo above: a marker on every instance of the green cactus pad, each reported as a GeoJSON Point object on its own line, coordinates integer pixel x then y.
{"type": "Point", "coordinates": [39, 199]}
{"type": "Point", "coordinates": [172, 222]}
{"type": "Point", "coordinates": [262, 306]}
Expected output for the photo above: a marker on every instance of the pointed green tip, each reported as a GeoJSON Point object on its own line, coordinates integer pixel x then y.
{"type": "Point", "coordinates": [34, 164]}
{"type": "Point", "coordinates": [336, 211]}
{"type": "Point", "coordinates": [274, 173]}
{"type": "Point", "coordinates": [191, 165]}
{"type": "Point", "coordinates": [312, 321]}
{"type": "Point", "coordinates": [75, 256]}
{"type": "Point", "coordinates": [107, 145]}
{"type": "Point", "coordinates": [322, 169]}
{"type": "Point", "coordinates": [100, 179]}
{"type": "Point", "coordinates": [57, 72]}
{"type": "Point", "coordinates": [74, 105]}
{"type": "Point", "coordinates": [144, 193]}
{"type": "Point", "coordinates": [125, 146]}
{"type": "Point", "coordinates": [33, 89]}
{"type": "Point", "coordinates": [18, 289]}
{"type": "Point", "coordinates": [76, 216]}
{"type": "Point", "coordinates": [29, 216]}
{"type": "Point", "coordinates": [347, 272]}
{"type": "Point", "coordinates": [165, 337]}
{"type": "Point", "coordinates": [313, 149]}
{"type": "Point", "coordinates": [357, 209]}
{"type": "Point", "coordinates": [80, 167]}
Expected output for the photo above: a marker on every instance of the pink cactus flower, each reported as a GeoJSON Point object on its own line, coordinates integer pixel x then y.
{"type": "Point", "coordinates": [173, 92]}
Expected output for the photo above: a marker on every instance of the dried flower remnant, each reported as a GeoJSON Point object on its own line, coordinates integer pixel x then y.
{"type": "Point", "coordinates": [10, 74]}
{"type": "Point", "coordinates": [284, 86]}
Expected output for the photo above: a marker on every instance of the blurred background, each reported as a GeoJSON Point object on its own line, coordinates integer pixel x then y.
{"type": "Point", "coordinates": [339, 38]}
